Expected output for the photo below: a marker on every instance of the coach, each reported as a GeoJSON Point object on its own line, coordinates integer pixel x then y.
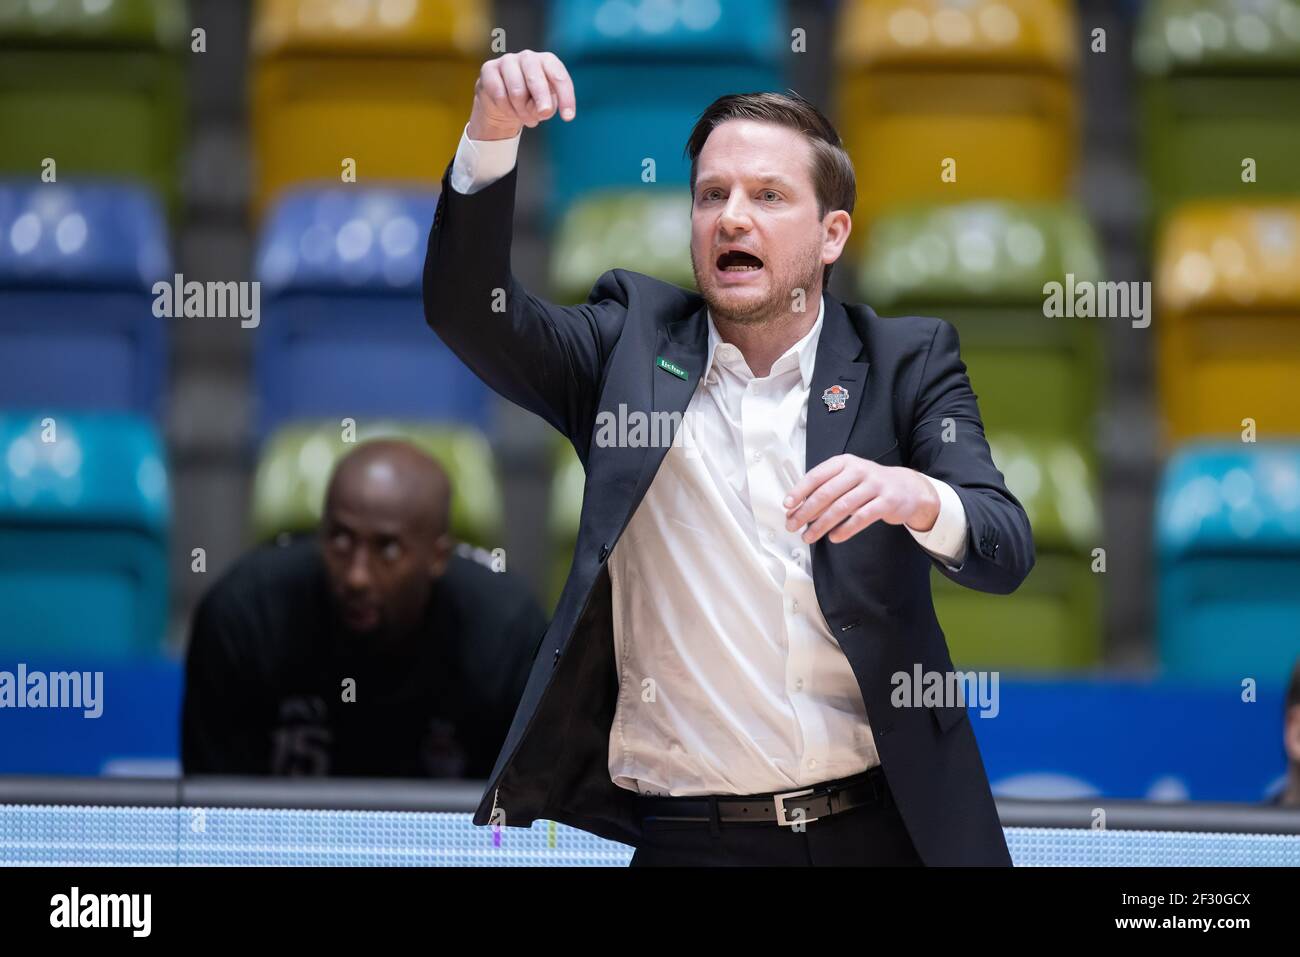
{"type": "Point", "coordinates": [715, 686]}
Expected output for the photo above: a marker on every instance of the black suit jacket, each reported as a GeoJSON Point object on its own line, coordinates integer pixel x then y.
{"type": "Point", "coordinates": [905, 380]}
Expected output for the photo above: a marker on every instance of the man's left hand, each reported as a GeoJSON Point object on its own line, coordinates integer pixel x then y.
{"type": "Point", "coordinates": [845, 494]}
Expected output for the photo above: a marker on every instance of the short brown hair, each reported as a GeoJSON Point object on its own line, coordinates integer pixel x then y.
{"type": "Point", "coordinates": [832, 173]}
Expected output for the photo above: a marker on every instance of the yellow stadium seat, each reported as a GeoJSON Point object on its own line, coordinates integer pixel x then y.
{"type": "Point", "coordinates": [981, 91]}
{"type": "Point", "coordinates": [1228, 295]}
{"type": "Point", "coordinates": [385, 83]}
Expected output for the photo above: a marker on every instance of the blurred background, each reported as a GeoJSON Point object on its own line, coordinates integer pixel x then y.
{"type": "Point", "coordinates": [1157, 453]}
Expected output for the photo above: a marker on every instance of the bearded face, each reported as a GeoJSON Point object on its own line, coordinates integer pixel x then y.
{"type": "Point", "coordinates": [756, 235]}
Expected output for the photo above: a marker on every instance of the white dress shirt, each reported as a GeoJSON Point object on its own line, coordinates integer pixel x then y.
{"type": "Point", "coordinates": [730, 681]}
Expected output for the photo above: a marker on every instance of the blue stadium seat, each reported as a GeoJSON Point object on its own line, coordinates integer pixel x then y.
{"type": "Point", "coordinates": [342, 331]}
{"type": "Point", "coordinates": [1228, 538]}
{"type": "Point", "coordinates": [83, 536]}
{"type": "Point", "coordinates": [687, 53]}
{"type": "Point", "coordinates": [77, 328]}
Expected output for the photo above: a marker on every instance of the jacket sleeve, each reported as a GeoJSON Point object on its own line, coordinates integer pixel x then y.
{"type": "Point", "coordinates": [1000, 544]}
{"type": "Point", "coordinates": [546, 358]}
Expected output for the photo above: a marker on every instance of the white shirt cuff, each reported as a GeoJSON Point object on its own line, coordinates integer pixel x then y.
{"type": "Point", "coordinates": [946, 540]}
{"type": "Point", "coordinates": [480, 163]}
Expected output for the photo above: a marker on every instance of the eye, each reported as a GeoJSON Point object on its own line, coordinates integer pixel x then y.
{"type": "Point", "coordinates": [391, 550]}
{"type": "Point", "coordinates": [710, 194]}
{"type": "Point", "coordinates": [340, 541]}
{"type": "Point", "coordinates": [771, 195]}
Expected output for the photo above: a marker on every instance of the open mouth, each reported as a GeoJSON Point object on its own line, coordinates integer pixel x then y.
{"type": "Point", "coordinates": [738, 261]}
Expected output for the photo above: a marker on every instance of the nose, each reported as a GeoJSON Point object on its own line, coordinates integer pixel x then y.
{"type": "Point", "coordinates": [735, 215]}
{"type": "Point", "coordinates": [357, 574]}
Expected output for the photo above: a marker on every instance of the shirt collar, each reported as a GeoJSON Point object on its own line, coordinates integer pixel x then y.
{"type": "Point", "coordinates": [805, 349]}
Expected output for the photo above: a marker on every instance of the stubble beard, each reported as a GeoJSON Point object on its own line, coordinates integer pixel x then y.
{"type": "Point", "coordinates": [776, 307]}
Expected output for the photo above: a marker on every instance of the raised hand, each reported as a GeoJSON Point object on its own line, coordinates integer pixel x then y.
{"type": "Point", "coordinates": [517, 90]}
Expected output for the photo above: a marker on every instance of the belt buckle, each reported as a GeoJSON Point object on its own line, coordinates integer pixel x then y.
{"type": "Point", "coordinates": [780, 799]}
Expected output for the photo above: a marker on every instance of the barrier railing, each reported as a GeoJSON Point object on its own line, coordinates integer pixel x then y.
{"type": "Point", "coordinates": [261, 821]}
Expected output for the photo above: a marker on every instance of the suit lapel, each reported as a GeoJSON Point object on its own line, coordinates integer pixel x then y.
{"type": "Point", "coordinates": [684, 344]}
{"type": "Point", "coordinates": [839, 363]}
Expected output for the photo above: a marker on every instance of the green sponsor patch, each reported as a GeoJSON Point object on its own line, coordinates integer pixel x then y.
{"type": "Point", "coordinates": [667, 366]}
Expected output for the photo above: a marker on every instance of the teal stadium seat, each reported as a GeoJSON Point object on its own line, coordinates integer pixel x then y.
{"type": "Point", "coordinates": [84, 518]}
{"type": "Point", "coordinates": [619, 178]}
{"type": "Point", "coordinates": [96, 86]}
{"type": "Point", "coordinates": [688, 54]}
{"type": "Point", "coordinates": [1228, 543]}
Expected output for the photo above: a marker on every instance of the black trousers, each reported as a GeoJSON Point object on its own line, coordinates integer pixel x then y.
{"type": "Point", "coordinates": [872, 835]}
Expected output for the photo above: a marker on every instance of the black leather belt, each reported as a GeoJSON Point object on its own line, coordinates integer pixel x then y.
{"type": "Point", "coordinates": [784, 808]}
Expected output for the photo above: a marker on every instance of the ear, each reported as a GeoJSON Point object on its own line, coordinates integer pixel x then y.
{"type": "Point", "coordinates": [439, 555]}
{"type": "Point", "coordinates": [838, 224]}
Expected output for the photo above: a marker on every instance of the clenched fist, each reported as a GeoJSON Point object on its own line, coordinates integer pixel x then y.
{"type": "Point", "coordinates": [518, 90]}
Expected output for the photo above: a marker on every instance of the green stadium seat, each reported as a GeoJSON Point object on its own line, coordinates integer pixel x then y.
{"type": "Point", "coordinates": [648, 230]}
{"type": "Point", "coordinates": [1221, 83]}
{"type": "Point", "coordinates": [1053, 621]}
{"type": "Point", "coordinates": [982, 266]}
{"type": "Point", "coordinates": [296, 462]}
{"type": "Point", "coordinates": [568, 482]}
{"type": "Point", "coordinates": [97, 87]}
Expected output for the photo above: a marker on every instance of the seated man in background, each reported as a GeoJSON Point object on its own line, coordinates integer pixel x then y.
{"type": "Point", "coordinates": [373, 650]}
{"type": "Point", "coordinates": [1289, 796]}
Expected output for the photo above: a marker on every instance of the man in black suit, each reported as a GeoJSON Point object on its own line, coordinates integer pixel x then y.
{"type": "Point", "coordinates": [770, 475]}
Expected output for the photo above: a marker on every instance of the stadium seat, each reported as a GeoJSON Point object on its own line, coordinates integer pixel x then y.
{"type": "Point", "coordinates": [1228, 545]}
{"type": "Point", "coordinates": [97, 87]}
{"type": "Point", "coordinates": [1052, 623]}
{"type": "Point", "coordinates": [77, 266]}
{"type": "Point", "coordinates": [1228, 345]}
{"type": "Point", "coordinates": [986, 83]}
{"type": "Point", "coordinates": [983, 266]}
{"type": "Point", "coordinates": [687, 53]}
{"type": "Point", "coordinates": [1220, 84]}
{"type": "Point", "coordinates": [568, 484]}
{"type": "Point", "coordinates": [648, 230]}
{"type": "Point", "coordinates": [84, 516]}
{"type": "Point", "coordinates": [385, 84]}
{"type": "Point", "coordinates": [295, 465]}
{"type": "Point", "coordinates": [343, 330]}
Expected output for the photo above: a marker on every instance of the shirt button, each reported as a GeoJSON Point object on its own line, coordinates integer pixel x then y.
{"type": "Point", "coordinates": [794, 606]}
{"type": "Point", "coordinates": [758, 456]}
{"type": "Point", "coordinates": [798, 684]}
{"type": "Point", "coordinates": [771, 535]}
{"type": "Point", "coordinates": [812, 763]}
{"type": "Point", "coordinates": [795, 553]}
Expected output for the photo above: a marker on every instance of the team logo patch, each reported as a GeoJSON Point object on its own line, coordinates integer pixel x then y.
{"type": "Point", "coordinates": [835, 397]}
